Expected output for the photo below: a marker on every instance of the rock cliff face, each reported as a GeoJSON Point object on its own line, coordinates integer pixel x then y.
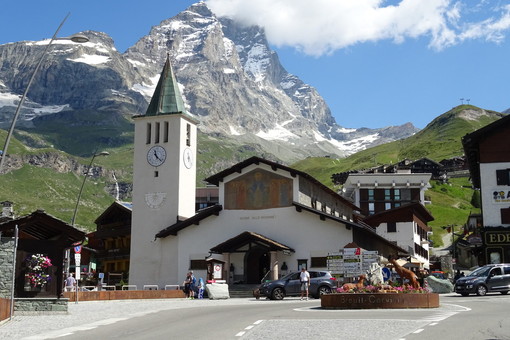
{"type": "Point", "coordinates": [231, 80]}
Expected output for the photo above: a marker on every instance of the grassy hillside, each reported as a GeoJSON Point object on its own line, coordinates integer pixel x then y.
{"type": "Point", "coordinates": [440, 139]}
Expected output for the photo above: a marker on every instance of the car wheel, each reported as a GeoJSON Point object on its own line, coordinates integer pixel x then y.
{"type": "Point", "coordinates": [324, 290]}
{"type": "Point", "coordinates": [504, 292]}
{"type": "Point", "coordinates": [277, 294]}
{"type": "Point", "coordinates": [481, 290]}
{"type": "Point", "coordinates": [464, 294]}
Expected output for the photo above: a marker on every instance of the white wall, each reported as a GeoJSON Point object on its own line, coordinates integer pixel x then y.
{"type": "Point", "coordinates": [304, 232]}
{"type": "Point", "coordinates": [491, 208]}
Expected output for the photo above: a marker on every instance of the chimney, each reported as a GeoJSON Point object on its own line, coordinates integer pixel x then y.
{"type": "Point", "coordinates": [7, 211]}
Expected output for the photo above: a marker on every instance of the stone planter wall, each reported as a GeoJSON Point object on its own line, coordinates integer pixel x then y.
{"type": "Point", "coordinates": [379, 300]}
{"type": "Point", "coordinates": [124, 295]}
{"type": "Point", "coordinates": [6, 266]}
{"type": "Point", "coordinates": [39, 305]}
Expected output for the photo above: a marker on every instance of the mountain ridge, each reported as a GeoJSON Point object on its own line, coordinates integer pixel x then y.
{"type": "Point", "coordinates": [231, 81]}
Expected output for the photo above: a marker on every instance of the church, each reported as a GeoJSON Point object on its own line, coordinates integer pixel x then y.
{"type": "Point", "coordinates": [270, 218]}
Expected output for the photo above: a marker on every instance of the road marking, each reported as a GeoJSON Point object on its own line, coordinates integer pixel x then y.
{"type": "Point", "coordinates": [418, 331]}
{"type": "Point", "coordinates": [258, 322]}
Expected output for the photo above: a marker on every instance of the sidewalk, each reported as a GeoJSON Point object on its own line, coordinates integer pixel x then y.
{"type": "Point", "coordinates": [82, 314]}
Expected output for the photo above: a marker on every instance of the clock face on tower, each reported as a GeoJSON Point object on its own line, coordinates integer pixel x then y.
{"type": "Point", "coordinates": [156, 155]}
{"type": "Point", "coordinates": [187, 158]}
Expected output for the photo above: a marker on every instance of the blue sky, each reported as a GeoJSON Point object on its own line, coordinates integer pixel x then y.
{"type": "Point", "coordinates": [377, 63]}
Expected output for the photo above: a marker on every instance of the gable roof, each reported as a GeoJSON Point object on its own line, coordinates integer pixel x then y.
{"type": "Point", "coordinates": [361, 227]}
{"type": "Point", "coordinates": [115, 207]}
{"type": "Point", "coordinates": [471, 143]}
{"type": "Point", "coordinates": [397, 214]}
{"type": "Point", "coordinates": [200, 215]}
{"type": "Point", "coordinates": [41, 226]}
{"type": "Point", "coordinates": [237, 168]}
{"type": "Point", "coordinates": [248, 237]}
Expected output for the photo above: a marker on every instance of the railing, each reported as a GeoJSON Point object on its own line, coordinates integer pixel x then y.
{"type": "Point", "coordinates": [169, 287]}
{"type": "Point", "coordinates": [128, 287]}
{"type": "Point", "coordinates": [269, 271]}
{"type": "Point", "coordinates": [150, 287]}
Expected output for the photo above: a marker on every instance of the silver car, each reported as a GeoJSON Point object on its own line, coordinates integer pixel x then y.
{"type": "Point", "coordinates": [321, 282]}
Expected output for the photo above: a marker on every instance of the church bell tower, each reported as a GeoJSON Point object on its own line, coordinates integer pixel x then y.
{"type": "Point", "coordinates": [164, 181]}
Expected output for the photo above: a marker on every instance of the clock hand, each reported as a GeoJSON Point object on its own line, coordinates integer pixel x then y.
{"type": "Point", "coordinates": [156, 155]}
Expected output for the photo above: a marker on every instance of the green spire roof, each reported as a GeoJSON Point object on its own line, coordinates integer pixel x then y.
{"type": "Point", "coordinates": [167, 98]}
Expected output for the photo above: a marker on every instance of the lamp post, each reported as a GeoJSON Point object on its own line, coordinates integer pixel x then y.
{"type": "Point", "coordinates": [78, 38]}
{"type": "Point", "coordinates": [103, 153]}
{"type": "Point", "coordinates": [73, 220]}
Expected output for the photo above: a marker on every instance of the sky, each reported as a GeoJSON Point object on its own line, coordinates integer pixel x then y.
{"type": "Point", "coordinates": [376, 63]}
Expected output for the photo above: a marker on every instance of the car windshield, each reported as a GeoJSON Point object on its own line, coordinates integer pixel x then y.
{"type": "Point", "coordinates": [480, 272]}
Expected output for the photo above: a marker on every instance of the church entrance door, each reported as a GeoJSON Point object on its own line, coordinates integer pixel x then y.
{"type": "Point", "coordinates": [256, 265]}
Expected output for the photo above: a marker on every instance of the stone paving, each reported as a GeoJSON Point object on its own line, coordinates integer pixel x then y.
{"type": "Point", "coordinates": [35, 326]}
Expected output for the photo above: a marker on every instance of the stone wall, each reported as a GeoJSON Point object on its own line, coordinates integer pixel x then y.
{"type": "Point", "coordinates": [6, 266]}
{"type": "Point", "coordinates": [39, 305]}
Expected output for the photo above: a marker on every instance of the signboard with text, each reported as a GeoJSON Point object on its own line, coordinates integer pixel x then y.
{"type": "Point", "coordinates": [351, 262]}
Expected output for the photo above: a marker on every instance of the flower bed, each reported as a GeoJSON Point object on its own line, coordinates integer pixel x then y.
{"type": "Point", "coordinates": [380, 296]}
{"type": "Point", "coordinates": [379, 300]}
{"type": "Point", "coordinates": [36, 267]}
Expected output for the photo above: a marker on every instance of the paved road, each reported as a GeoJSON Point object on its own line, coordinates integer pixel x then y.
{"type": "Point", "coordinates": [247, 319]}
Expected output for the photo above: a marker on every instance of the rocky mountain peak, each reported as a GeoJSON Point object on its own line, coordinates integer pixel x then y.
{"type": "Point", "coordinates": [230, 78]}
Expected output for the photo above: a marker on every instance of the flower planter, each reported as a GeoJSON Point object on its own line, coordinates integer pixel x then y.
{"type": "Point", "coordinates": [379, 300]}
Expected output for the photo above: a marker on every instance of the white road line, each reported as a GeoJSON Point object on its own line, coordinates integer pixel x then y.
{"type": "Point", "coordinates": [418, 331]}
{"type": "Point", "coordinates": [250, 327]}
{"type": "Point", "coordinates": [240, 334]}
{"type": "Point", "coordinates": [258, 322]}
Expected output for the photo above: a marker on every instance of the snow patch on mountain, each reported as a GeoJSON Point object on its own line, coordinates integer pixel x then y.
{"type": "Point", "coordinates": [8, 99]}
{"type": "Point", "coordinates": [91, 59]}
{"type": "Point", "coordinates": [277, 133]}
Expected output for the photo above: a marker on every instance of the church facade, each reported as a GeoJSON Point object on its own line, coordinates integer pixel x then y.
{"type": "Point", "coordinates": [270, 218]}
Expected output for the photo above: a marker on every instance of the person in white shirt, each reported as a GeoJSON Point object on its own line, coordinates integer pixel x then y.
{"type": "Point", "coordinates": [304, 277]}
{"type": "Point", "coordinates": [70, 283]}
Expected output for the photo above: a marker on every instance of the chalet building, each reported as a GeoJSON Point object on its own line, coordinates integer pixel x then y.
{"type": "Point", "coordinates": [268, 216]}
{"type": "Point", "coordinates": [407, 226]}
{"type": "Point", "coordinates": [375, 193]}
{"type": "Point", "coordinates": [487, 151]}
{"type": "Point", "coordinates": [454, 164]}
{"type": "Point", "coordinates": [427, 166]}
{"type": "Point", "coordinates": [111, 242]}
{"type": "Point", "coordinates": [42, 239]}
{"type": "Point", "coordinates": [394, 203]}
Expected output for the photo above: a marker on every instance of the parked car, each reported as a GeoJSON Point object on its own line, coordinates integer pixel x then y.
{"type": "Point", "coordinates": [438, 274]}
{"type": "Point", "coordinates": [321, 282]}
{"type": "Point", "coordinates": [486, 279]}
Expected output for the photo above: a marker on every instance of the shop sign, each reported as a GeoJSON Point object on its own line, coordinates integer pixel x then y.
{"type": "Point", "coordinates": [501, 196]}
{"type": "Point", "coordinates": [497, 237]}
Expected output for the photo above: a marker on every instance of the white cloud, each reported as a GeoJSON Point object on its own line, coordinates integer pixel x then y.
{"type": "Point", "coordinates": [322, 26]}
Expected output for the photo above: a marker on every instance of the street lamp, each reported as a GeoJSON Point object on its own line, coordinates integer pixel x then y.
{"type": "Point", "coordinates": [78, 38]}
{"type": "Point", "coordinates": [103, 153]}
{"type": "Point", "coordinates": [73, 220]}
